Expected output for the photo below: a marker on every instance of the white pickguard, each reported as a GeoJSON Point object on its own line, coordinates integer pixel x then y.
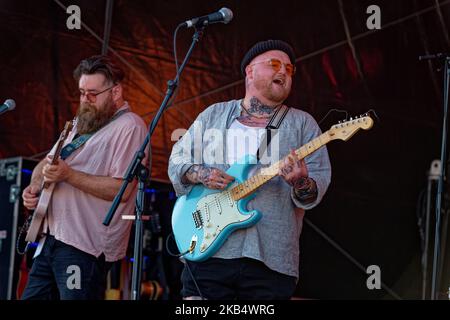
{"type": "Point", "coordinates": [217, 211]}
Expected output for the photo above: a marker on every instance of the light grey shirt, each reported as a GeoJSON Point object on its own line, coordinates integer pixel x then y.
{"type": "Point", "coordinates": [274, 240]}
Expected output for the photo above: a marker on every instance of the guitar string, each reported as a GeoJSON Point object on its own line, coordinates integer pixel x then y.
{"type": "Point", "coordinates": [224, 194]}
{"type": "Point", "coordinates": [307, 151]}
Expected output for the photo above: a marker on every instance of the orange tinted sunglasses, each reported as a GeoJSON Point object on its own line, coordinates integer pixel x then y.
{"type": "Point", "coordinates": [276, 66]}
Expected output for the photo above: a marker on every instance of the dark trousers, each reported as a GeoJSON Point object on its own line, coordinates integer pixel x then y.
{"type": "Point", "coordinates": [64, 272]}
{"type": "Point", "coordinates": [230, 279]}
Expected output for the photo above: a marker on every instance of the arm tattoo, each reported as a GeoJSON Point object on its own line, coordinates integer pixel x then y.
{"type": "Point", "coordinates": [305, 190]}
{"type": "Point", "coordinates": [196, 174]}
{"type": "Point", "coordinates": [203, 174]}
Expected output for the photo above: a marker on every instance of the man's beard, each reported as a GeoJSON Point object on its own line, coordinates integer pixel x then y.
{"type": "Point", "coordinates": [91, 119]}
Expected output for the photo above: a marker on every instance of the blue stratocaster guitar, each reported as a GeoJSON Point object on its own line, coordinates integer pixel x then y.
{"type": "Point", "coordinates": [203, 219]}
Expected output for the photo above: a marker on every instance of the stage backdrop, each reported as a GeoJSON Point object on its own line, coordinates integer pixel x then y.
{"type": "Point", "coordinates": [370, 207]}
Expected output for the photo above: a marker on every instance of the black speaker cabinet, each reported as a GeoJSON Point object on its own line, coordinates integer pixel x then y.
{"type": "Point", "coordinates": [15, 175]}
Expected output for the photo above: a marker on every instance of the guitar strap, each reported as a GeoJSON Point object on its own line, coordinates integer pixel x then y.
{"type": "Point", "coordinates": [274, 123]}
{"type": "Point", "coordinates": [79, 141]}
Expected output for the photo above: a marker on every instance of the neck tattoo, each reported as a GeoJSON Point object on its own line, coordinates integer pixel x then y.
{"type": "Point", "coordinates": [259, 110]}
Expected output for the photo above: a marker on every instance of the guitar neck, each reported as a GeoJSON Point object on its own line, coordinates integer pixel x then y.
{"type": "Point", "coordinates": [59, 148]}
{"type": "Point", "coordinates": [250, 185]}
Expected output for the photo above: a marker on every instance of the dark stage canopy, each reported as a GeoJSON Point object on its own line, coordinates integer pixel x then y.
{"type": "Point", "coordinates": [370, 210]}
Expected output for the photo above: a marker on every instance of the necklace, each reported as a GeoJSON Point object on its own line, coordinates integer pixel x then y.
{"type": "Point", "coordinates": [258, 117]}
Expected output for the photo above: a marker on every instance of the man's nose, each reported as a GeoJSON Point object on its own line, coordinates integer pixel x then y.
{"type": "Point", "coordinates": [283, 68]}
{"type": "Point", "coordinates": [83, 97]}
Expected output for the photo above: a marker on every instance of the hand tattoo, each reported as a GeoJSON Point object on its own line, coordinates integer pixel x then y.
{"type": "Point", "coordinates": [196, 174]}
{"type": "Point", "coordinates": [212, 178]}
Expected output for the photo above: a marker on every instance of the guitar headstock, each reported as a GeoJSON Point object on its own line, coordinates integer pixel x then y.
{"type": "Point", "coordinates": [346, 129]}
{"type": "Point", "coordinates": [63, 136]}
{"type": "Point", "coordinates": [67, 128]}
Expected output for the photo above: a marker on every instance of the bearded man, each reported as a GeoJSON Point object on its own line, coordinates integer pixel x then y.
{"type": "Point", "coordinates": [76, 250]}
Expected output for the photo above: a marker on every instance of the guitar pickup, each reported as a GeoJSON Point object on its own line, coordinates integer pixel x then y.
{"type": "Point", "coordinates": [218, 207]}
{"type": "Point", "coordinates": [198, 220]}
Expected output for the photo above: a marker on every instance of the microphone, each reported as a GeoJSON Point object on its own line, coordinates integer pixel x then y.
{"type": "Point", "coordinates": [9, 104]}
{"type": "Point", "coordinates": [224, 15]}
{"type": "Point", "coordinates": [434, 56]}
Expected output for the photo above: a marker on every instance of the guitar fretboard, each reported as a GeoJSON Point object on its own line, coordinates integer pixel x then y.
{"type": "Point", "coordinates": [250, 185]}
{"type": "Point", "coordinates": [59, 146]}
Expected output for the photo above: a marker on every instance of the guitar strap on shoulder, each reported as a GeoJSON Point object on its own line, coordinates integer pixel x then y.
{"type": "Point", "coordinates": [274, 123]}
{"type": "Point", "coordinates": [74, 145]}
{"type": "Point", "coordinates": [79, 141]}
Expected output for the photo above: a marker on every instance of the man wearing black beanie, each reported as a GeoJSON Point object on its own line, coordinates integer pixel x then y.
{"type": "Point", "coordinates": [261, 260]}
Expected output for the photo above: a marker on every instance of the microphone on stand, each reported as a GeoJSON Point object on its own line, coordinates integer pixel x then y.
{"type": "Point", "coordinates": [224, 15]}
{"type": "Point", "coordinates": [433, 56]}
{"type": "Point", "coordinates": [9, 104]}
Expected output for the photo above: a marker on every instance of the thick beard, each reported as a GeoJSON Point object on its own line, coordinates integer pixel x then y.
{"type": "Point", "coordinates": [91, 119]}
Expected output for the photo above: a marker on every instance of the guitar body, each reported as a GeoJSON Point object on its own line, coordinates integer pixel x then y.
{"type": "Point", "coordinates": [203, 219]}
{"type": "Point", "coordinates": [39, 213]}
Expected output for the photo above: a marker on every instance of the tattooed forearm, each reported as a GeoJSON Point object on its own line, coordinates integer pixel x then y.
{"type": "Point", "coordinates": [305, 189]}
{"type": "Point", "coordinates": [196, 174]}
{"type": "Point", "coordinates": [304, 183]}
{"type": "Point", "coordinates": [212, 178]}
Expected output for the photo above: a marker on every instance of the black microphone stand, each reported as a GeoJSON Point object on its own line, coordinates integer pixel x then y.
{"type": "Point", "coordinates": [435, 287]}
{"type": "Point", "coordinates": [136, 169]}
{"type": "Point", "coordinates": [440, 188]}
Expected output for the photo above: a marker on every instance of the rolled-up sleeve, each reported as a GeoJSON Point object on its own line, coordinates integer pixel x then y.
{"type": "Point", "coordinates": [185, 153]}
{"type": "Point", "coordinates": [318, 164]}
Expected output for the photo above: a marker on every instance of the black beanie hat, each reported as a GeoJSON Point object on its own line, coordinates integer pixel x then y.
{"type": "Point", "coordinates": [264, 46]}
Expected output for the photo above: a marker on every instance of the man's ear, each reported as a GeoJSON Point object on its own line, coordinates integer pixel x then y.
{"type": "Point", "coordinates": [117, 92]}
{"type": "Point", "coordinates": [249, 72]}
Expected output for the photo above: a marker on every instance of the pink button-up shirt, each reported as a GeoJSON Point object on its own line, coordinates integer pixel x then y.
{"type": "Point", "coordinates": [75, 217]}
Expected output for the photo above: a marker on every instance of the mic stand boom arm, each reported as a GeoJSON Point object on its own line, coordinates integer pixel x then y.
{"type": "Point", "coordinates": [136, 169]}
{"type": "Point", "coordinates": [437, 254]}
{"type": "Point", "coordinates": [445, 58]}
